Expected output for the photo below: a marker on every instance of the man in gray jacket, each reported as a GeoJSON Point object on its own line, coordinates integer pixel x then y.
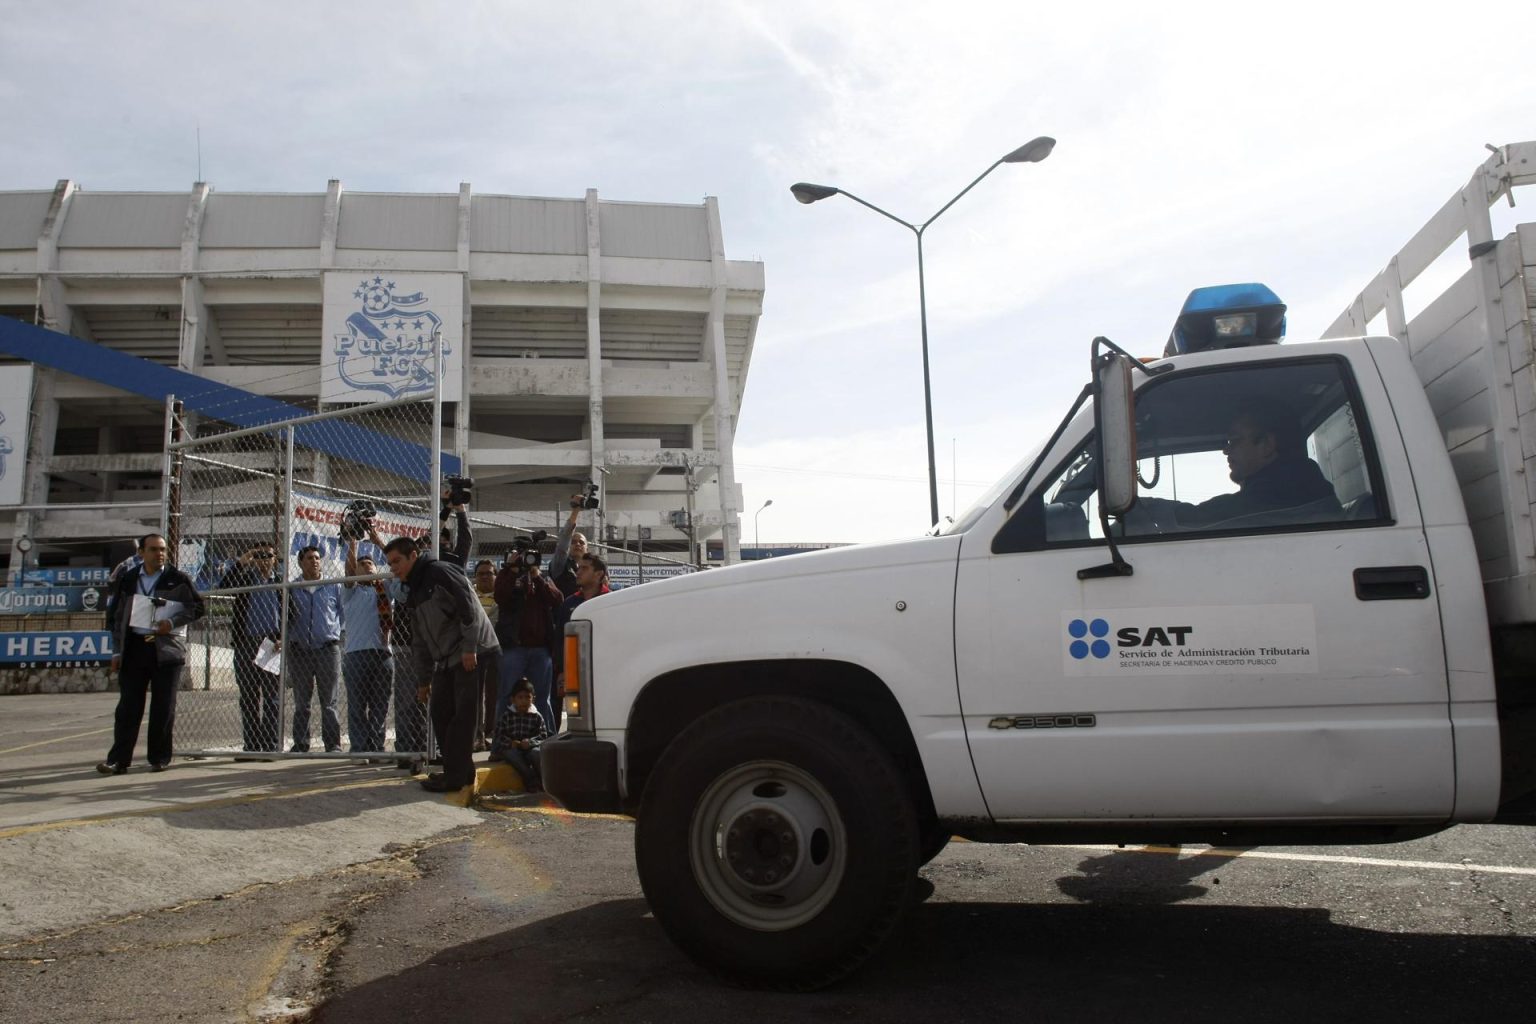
{"type": "Point", "coordinates": [454, 642]}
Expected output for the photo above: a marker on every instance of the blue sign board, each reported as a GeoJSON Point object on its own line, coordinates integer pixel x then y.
{"type": "Point", "coordinates": [40, 600]}
{"type": "Point", "coordinates": [53, 648]}
{"type": "Point", "coordinates": [71, 577]}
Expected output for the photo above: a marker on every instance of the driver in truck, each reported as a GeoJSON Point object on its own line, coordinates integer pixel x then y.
{"type": "Point", "coordinates": [1267, 459]}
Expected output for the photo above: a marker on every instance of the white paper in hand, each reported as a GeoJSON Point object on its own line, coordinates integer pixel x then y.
{"type": "Point", "coordinates": [268, 657]}
{"type": "Point", "coordinates": [142, 615]}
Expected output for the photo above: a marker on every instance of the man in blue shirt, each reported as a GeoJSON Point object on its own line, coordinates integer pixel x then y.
{"type": "Point", "coordinates": [366, 666]}
{"type": "Point", "coordinates": [313, 653]}
{"type": "Point", "coordinates": [256, 617]}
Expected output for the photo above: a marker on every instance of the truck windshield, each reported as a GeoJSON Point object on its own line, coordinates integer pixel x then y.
{"type": "Point", "coordinates": [990, 497]}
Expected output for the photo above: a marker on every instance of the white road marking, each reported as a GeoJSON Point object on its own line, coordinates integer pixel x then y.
{"type": "Point", "coordinates": [1314, 858]}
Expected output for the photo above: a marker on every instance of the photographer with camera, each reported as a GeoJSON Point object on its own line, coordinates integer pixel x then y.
{"type": "Point", "coordinates": [456, 495]}
{"type": "Point", "coordinates": [526, 601]}
{"type": "Point", "coordinates": [570, 545]}
{"type": "Point", "coordinates": [410, 683]}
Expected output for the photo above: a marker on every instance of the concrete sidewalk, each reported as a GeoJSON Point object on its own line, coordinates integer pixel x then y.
{"type": "Point", "coordinates": [76, 846]}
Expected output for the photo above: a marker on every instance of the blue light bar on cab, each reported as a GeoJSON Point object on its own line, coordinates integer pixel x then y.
{"type": "Point", "coordinates": [1227, 316]}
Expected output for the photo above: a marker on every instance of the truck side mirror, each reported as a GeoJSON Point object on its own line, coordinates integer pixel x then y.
{"type": "Point", "coordinates": [1114, 419]}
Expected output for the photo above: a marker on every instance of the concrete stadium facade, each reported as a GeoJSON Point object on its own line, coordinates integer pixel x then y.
{"type": "Point", "coordinates": [601, 340]}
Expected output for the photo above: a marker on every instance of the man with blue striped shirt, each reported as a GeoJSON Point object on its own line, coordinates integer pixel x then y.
{"type": "Point", "coordinates": [312, 655]}
{"type": "Point", "coordinates": [366, 666]}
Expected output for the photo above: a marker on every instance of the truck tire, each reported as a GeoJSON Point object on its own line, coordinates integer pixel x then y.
{"type": "Point", "coordinates": [776, 843]}
{"type": "Point", "coordinates": [931, 842]}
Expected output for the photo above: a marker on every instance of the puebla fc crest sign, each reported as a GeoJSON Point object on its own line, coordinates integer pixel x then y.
{"type": "Point", "coordinates": [381, 331]}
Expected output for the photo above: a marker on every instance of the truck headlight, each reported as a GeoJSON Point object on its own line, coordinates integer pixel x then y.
{"type": "Point", "coordinates": [578, 675]}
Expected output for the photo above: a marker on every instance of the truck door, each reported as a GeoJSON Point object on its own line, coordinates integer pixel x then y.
{"type": "Point", "coordinates": [1276, 654]}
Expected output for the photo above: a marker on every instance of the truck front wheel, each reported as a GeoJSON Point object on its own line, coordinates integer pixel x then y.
{"type": "Point", "coordinates": [776, 843]}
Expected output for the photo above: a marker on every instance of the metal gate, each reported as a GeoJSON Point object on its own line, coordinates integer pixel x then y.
{"type": "Point", "coordinates": [265, 680]}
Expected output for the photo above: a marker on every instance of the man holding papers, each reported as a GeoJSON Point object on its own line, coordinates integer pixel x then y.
{"type": "Point", "coordinates": [254, 625]}
{"type": "Point", "coordinates": [151, 606]}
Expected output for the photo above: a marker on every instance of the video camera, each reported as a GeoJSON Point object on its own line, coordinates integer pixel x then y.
{"type": "Point", "coordinates": [525, 554]}
{"type": "Point", "coordinates": [589, 500]}
{"type": "Point", "coordinates": [357, 519]}
{"type": "Point", "coordinates": [459, 488]}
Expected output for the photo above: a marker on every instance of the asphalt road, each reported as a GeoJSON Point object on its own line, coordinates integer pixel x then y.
{"type": "Point", "coordinates": [222, 892]}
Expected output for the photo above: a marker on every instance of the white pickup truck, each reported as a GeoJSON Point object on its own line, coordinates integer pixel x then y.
{"type": "Point", "coordinates": [1247, 593]}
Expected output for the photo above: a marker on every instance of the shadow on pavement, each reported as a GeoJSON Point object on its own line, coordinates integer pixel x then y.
{"type": "Point", "coordinates": [980, 962]}
{"type": "Point", "coordinates": [1117, 878]}
{"type": "Point", "coordinates": [52, 793]}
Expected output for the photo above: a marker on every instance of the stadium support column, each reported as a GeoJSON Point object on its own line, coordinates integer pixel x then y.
{"type": "Point", "coordinates": [196, 321]}
{"type": "Point", "coordinates": [595, 347]}
{"type": "Point", "coordinates": [52, 312]}
{"type": "Point", "coordinates": [330, 230]}
{"type": "Point", "coordinates": [724, 404]}
{"type": "Point", "coordinates": [462, 413]}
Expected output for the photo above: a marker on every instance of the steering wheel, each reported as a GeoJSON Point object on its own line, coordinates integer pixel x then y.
{"type": "Point", "coordinates": [1149, 516]}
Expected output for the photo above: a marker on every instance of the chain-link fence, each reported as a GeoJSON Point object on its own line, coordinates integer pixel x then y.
{"type": "Point", "coordinates": [301, 652]}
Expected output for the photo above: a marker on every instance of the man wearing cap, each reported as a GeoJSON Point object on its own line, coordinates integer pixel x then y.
{"type": "Point", "coordinates": [366, 665]}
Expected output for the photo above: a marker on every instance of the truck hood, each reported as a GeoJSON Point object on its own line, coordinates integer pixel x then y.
{"type": "Point", "coordinates": [809, 569]}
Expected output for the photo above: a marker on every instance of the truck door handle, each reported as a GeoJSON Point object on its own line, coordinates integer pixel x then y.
{"type": "Point", "coordinates": [1392, 583]}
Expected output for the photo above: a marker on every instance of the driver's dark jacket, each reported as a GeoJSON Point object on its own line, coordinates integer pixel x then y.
{"type": "Point", "coordinates": [1283, 484]}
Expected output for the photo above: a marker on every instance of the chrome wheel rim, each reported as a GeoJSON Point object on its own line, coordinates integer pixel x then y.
{"type": "Point", "coordinates": [768, 846]}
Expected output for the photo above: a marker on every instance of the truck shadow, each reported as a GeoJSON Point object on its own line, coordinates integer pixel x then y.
{"type": "Point", "coordinates": [1117, 878]}
{"type": "Point", "coordinates": [980, 962]}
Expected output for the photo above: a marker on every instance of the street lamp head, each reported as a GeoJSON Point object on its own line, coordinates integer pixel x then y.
{"type": "Point", "coordinates": [808, 193]}
{"type": "Point", "coordinates": [767, 503]}
{"type": "Point", "coordinates": [1032, 152]}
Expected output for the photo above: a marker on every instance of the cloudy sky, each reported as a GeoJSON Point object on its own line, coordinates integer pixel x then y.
{"type": "Point", "coordinates": [1196, 145]}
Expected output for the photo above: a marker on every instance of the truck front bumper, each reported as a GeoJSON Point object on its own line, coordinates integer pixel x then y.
{"type": "Point", "coordinates": [582, 773]}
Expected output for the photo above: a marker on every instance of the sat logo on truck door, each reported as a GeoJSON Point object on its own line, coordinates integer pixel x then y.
{"type": "Point", "coordinates": [1081, 646]}
{"type": "Point", "coordinates": [1215, 640]}
{"type": "Point", "coordinates": [1129, 636]}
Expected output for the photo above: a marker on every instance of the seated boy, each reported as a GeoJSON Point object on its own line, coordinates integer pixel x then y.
{"type": "Point", "coordinates": [519, 732]}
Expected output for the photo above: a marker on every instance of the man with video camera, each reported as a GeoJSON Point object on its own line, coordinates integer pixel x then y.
{"type": "Point", "coordinates": [570, 546]}
{"type": "Point", "coordinates": [453, 547]}
{"type": "Point", "coordinates": [525, 606]}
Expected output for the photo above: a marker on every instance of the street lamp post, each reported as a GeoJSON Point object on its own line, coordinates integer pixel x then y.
{"type": "Point", "coordinates": [757, 537]}
{"type": "Point", "coordinates": [1031, 152]}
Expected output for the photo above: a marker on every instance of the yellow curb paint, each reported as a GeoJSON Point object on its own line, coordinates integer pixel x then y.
{"type": "Point", "coordinates": [498, 778]}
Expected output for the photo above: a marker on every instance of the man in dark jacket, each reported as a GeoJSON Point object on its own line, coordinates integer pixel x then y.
{"type": "Point", "coordinates": [453, 641]}
{"type": "Point", "coordinates": [1267, 459]}
{"type": "Point", "coordinates": [256, 617]}
{"type": "Point", "coordinates": [152, 604]}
